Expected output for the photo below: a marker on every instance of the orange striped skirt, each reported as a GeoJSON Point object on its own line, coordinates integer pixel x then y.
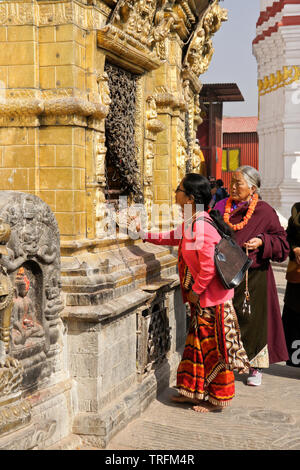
{"type": "Point", "coordinates": [200, 374]}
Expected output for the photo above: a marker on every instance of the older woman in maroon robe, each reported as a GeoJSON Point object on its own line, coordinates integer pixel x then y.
{"type": "Point", "coordinates": [257, 228]}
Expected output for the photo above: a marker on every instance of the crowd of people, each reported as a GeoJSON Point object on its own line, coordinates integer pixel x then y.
{"type": "Point", "coordinates": [250, 313]}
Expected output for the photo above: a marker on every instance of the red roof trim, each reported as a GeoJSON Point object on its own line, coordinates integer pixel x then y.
{"type": "Point", "coordinates": [271, 11]}
{"type": "Point", "coordinates": [285, 21]}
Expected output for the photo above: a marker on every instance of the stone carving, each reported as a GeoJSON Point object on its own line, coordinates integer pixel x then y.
{"type": "Point", "coordinates": [13, 410]}
{"type": "Point", "coordinates": [32, 261]}
{"type": "Point", "coordinates": [25, 323]}
{"type": "Point", "coordinates": [153, 334]}
{"type": "Point", "coordinates": [36, 435]}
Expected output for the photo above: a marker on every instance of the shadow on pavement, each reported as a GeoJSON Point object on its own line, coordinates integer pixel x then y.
{"type": "Point", "coordinates": [282, 370]}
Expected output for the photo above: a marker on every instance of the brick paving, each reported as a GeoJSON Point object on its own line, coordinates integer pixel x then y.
{"type": "Point", "coordinates": [263, 418]}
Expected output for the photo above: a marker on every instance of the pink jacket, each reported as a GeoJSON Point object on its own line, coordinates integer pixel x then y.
{"type": "Point", "coordinates": [198, 253]}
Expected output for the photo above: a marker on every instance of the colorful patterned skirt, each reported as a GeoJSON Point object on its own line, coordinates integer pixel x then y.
{"type": "Point", "coordinates": [201, 374]}
{"type": "Point", "coordinates": [213, 348]}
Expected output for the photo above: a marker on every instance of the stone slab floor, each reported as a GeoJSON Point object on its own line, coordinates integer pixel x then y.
{"type": "Point", "coordinates": [262, 418]}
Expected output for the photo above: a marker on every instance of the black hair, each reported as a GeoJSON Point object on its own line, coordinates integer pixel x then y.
{"type": "Point", "coordinates": [220, 183]}
{"type": "Point", "coordinates": [198, 186]}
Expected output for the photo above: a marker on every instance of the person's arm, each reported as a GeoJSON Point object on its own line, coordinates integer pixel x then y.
{"type": "Point", "coordinates": [275, 245]}
{"type": "Point", "coordinates": [171, 238]}
{"type": "Point", "coordinates": [293, 241]}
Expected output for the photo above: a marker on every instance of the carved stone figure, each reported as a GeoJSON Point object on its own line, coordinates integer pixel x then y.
{"type": "Point", "coordinates": [25, 323]}
{"type": "Point", "coordinates": [6, 296]}
{"type": "Point", "coordinates": [11, 372]}
{"type": "Point", "coordinates": [32, 260]}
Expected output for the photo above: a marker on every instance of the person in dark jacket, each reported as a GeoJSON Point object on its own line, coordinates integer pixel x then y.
{"type": "Point", "coordinates": [291, 310]}
{"type": "Point", "coordinates": [258, 230]}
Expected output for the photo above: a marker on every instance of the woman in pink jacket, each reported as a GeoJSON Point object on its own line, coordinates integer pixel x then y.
{"type": "Point", "coordinates": [204, 377]}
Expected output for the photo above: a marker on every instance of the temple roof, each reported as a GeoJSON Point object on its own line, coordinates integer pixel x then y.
{"type": "Point", "coordinates": [219, 92]}
{"type": "Point", "coordinates": [239, 124]}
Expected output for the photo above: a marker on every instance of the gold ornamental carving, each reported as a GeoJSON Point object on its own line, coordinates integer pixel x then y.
{"type": "Point", "coordinates": [153, 124]}
{"type": "Point", "coordinates": [135, 18]}
{"type": "Point", "coordinates": [45, 14]}
{"type": "Point", "coordinates": [149, 159]}
{"type": "Point", "coordinates": [200, 50]}
{"type": "Point", "coordinates": [281, 78]}
{"type": "Point", "coordinates": [121, 45]}
{"type": "Point", "coordinates": [181, 156]}
{"type": "Point", "coordinates": [22, 108]}
{"type": "Point", "coordinates": [164, 98]}
{"type": "Point", "coordinates": [197, 158]}
{"type": "Point", "coordinates": [137, 31]}
{"type": "Point", "coordinates": [100, 158]}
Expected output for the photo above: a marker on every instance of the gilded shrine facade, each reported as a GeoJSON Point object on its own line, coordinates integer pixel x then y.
{"type": "Point", "coordinates": [98, 104]}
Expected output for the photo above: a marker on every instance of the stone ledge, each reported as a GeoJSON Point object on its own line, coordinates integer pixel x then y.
{"type": "Point", "coordinates": [96, 429]}
{"type": "Point", "coordinates": [111, 309]}
{"type": "Point", "coordinates": [71, 442]}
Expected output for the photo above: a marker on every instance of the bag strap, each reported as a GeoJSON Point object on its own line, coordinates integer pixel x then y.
{"type": "Point", "coordinates": [211, 222]}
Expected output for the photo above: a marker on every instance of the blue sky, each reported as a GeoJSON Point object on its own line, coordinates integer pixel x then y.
{"type": "Point", "coordinates": [233, 61]}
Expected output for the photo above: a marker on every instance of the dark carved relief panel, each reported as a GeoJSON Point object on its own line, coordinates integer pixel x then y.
{"type": "Point", "coordinates": [153, 335]}
{"type": "Point", "coordinates": [122, 171]}
{"type": "Point", "coordinates": [33, 265]}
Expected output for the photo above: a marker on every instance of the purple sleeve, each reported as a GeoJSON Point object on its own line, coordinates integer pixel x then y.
{"type": "Point", "coordinates": [275, 246]}
{"type": "Point", "coordinates": [220, 206]}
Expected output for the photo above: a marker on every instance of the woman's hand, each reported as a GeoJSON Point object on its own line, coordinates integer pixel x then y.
{"type": "Point", "coordinates": [253, 243]}
{"type": "Point", "coordinates": [192, 297]}
{"type": "Point", "coordinates": [297, 254]}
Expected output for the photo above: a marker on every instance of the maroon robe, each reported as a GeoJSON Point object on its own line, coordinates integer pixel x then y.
{"type": "Point", "coordinates": [265, 224]}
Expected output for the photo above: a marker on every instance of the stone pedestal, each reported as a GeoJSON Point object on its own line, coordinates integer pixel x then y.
{"type": "Point", "coordinates": [124, 339]}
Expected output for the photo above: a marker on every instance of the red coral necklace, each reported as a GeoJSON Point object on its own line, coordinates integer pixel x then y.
{"type": "Point", "coordinates": [243, 223]}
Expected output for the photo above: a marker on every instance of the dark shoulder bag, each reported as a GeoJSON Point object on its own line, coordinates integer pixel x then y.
{"type": "Point", "coordinates": [230, 260]}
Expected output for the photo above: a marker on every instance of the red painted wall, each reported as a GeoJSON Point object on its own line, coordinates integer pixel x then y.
{"type": "Point", "coordinates": [248, 143]}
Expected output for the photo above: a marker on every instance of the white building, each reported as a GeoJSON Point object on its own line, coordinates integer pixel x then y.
{"type": "Point", "coordinates": [277, 51]}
